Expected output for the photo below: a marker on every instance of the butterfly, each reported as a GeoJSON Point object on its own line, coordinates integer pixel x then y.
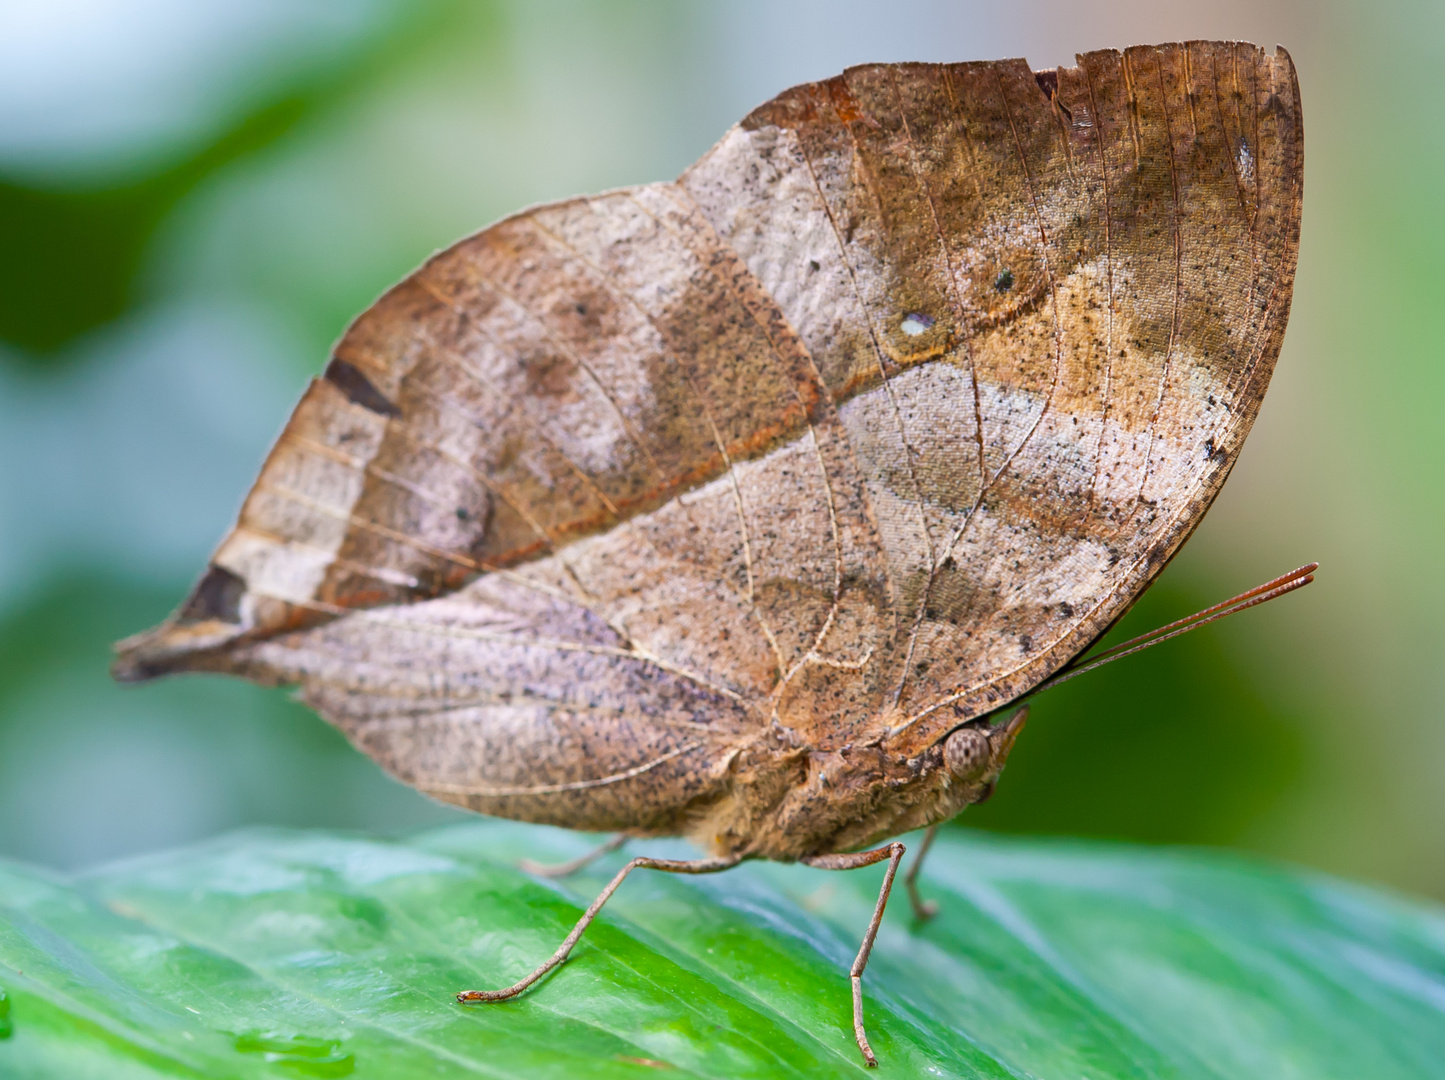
{"type": "Point", "coordinates": [742, 507]}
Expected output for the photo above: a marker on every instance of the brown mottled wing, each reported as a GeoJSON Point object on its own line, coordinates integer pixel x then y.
{"type": "Point", "coordinates": [864, 426]}
{"type": "Point", "coordinates": [567, 506]}
{"type": "Point", "coordinates": [1048, 307]}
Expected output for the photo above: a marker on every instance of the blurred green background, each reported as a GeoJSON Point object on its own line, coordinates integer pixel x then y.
{"type": "Point", "coordinates": [196, 197]}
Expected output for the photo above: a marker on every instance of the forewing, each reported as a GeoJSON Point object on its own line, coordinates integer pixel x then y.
{"type": "Point", "coordinates": [1047, 306]}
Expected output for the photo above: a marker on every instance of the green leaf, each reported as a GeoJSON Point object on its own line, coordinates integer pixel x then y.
{"type": "Point", "coordinates": [310, 955]}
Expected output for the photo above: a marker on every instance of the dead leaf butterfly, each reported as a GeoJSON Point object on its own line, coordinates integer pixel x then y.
{"type": "Point", "coordinates": [739, 507]}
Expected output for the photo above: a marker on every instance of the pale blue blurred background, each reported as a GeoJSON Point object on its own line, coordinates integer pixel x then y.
{"type": "Point", "coordinates": [196, 197]}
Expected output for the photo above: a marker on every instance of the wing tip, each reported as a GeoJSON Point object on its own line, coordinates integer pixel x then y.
{"type": "Point", "coordinates": [174, 646]}
{"type": "Point", "coordinates": [209, 618]}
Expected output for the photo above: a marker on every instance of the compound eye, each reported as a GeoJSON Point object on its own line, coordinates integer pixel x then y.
{"type": "Point", "coordinates": [966, 754]}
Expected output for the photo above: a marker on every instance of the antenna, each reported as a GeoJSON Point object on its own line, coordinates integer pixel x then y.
{"type": "Point", "coordinates": [1270, 590]}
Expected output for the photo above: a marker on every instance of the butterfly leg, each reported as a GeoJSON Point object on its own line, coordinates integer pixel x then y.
{"type": "Point", "coordinates": [571, 866]}
{"type": "Point", "coordinates": [922, 909]}
{"type": "Point", "coordinates": [671, 866]}
{"type": "Point", "coordinates": [894, 854]}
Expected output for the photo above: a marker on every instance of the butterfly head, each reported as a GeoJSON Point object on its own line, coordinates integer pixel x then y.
{"type": "Point", "coordinates": [975, 755]}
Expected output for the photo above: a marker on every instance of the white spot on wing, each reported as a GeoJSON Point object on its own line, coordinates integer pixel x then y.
{"type": "Point", "coordinates": [916, 323]}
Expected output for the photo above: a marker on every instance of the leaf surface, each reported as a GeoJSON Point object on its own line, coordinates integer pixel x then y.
{"type": "Point", "coordinates": [271, 954]}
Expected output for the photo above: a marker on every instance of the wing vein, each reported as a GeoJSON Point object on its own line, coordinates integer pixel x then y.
{"type": "Point", "coordinates": [446, 630]}
{"type": "Point", "coordinates": [827, 480]}
{"type": "Point", "coordinates": [965, 332]}
{"type": "Point", "coordinates": [1178, 280]}
{"type": "Point", "coordinates": [537, 428]}
{"type": "Point", "coordinates": [572, 355]}
{"type": "Point", "coordinates": [629, 299]}
{"type": "Point", "coordinates": [553, 789]}
{"type": "Point", "coordinates": [1109, 283]}
{"type": "Point", "coordinates": [1058, 330]}
{"type": "Point", "coordinates": [873, 337]}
